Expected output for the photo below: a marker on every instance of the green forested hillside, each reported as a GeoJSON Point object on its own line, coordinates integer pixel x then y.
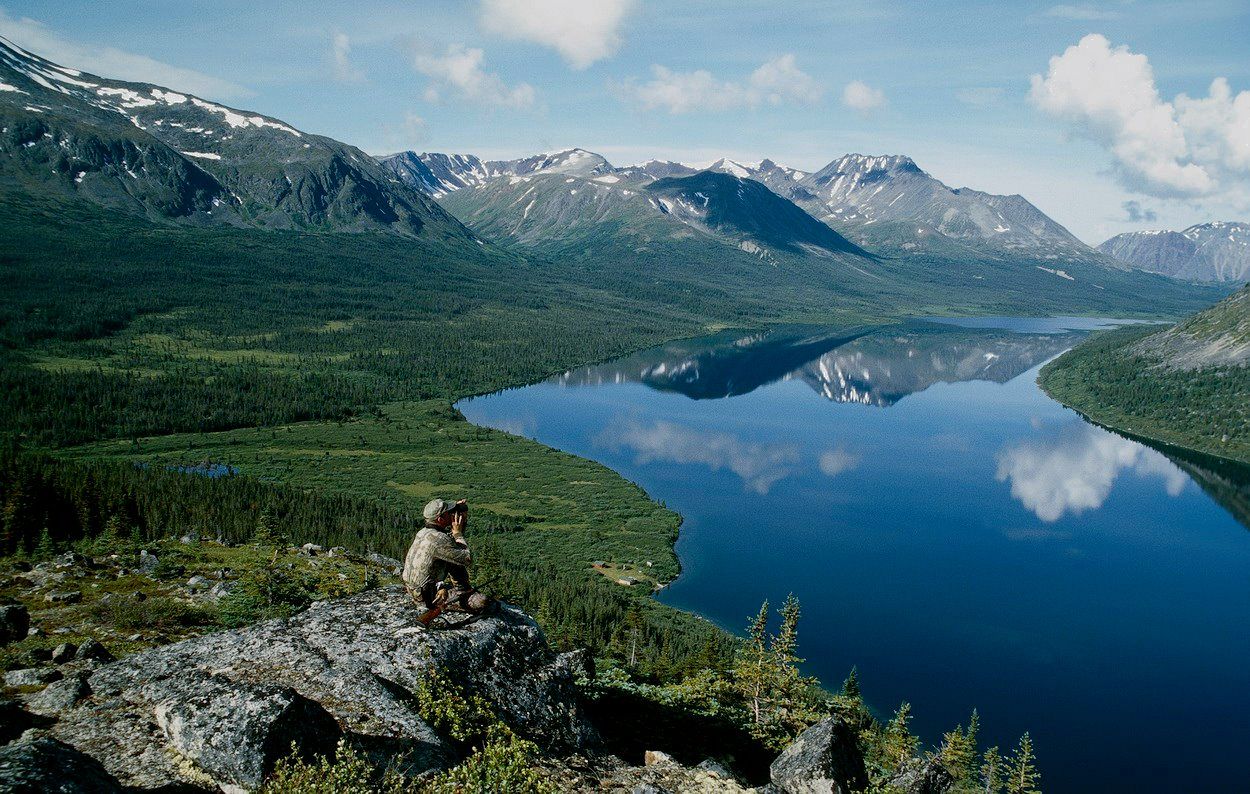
{"type": "Point", "coordinates": [1186, 385]}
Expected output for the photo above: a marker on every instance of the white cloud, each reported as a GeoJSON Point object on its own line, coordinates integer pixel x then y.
{"type": "Point", "coordinates": [408, 134]}
{"type": "Point", "coordinates": [36, 37]}
{"type": "Point", "coordinates": [582, 32]}
{"type": "Point", "coordinates": [1184, 148]}
{"type": "Point", "coordinates": [340, 53]}
{"type": "Point", "coordinates": [459, 71]}
{"type": "Point", "coordinates": [1074, 470]}
{"type": "Point", "coordinates": [778, 81]}
{"type": "Point", "coordinates": [1082, 13]}
{"type": "Point", "coordinates": [980, 96]}
{"type": "Point", "coordinates": [861, 97]}
{"type": "Point", "coordinates": [759, 465]}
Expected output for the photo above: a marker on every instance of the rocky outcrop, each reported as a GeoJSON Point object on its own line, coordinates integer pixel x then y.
{"type": "Point", "coordinates": [220, 709]}
{"type": "Point", "coordinates": [923, 776]}
{"type": "Point", "coordinates": [825, 759]}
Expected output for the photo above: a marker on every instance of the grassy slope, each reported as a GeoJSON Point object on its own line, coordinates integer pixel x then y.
{"type": "Point", "coordinates": [1105, 379]}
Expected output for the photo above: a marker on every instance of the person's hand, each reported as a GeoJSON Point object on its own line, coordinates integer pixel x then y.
{"type": "Point", "coordinates": [458, 522]}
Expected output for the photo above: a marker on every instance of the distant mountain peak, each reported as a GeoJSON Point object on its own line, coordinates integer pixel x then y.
{"type": "Point", "coordinates": [1212, 251]}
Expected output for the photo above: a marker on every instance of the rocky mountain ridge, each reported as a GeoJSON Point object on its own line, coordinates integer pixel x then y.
{"type": "Point", "coordinates": [850, 194]}
{"type": "Point", "coordinates": [168, 155]}
{"type": "Point", "coordinates": [1216, 337]}
{"type": "Point", "coordinates": [1218, 251]}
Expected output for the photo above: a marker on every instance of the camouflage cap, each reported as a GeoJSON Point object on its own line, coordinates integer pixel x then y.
{"type": "Point", "coordinates": [436, 508]}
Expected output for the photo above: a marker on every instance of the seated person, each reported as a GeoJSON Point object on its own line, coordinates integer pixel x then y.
{"type": "Point", "coordinates": [436, 569]}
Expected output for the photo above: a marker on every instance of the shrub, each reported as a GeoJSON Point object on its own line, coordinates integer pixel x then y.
{"type": "Point", "coordinates": [348, 772]}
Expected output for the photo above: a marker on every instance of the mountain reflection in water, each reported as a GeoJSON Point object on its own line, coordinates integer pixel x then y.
{"type": "Point", "coordinates": [870, 368]}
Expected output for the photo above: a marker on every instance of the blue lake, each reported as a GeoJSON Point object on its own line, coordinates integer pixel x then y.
{"type": "Point", "coordinates": [951, 531]}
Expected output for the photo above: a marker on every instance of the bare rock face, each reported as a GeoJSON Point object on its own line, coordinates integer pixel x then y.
{"type": "Point", "coordinates": [825, 759]}
{"type": "Point", "coordinates": [218, 710]}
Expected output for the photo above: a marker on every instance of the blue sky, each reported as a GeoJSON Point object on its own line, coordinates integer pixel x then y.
{"type": "Point", "coordinates": [799, 82]}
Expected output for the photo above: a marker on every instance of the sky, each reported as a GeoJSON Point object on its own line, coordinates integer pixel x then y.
{"type": "Point", "coordinates": [1110, 116]}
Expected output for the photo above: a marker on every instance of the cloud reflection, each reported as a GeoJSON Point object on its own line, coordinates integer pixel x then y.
{"type": "Point", "coordinates": [1073, 470]}
{"type": "Point", "coordinates": [759, 465]}
{"type": "Point", "coordinates": [835, 461]}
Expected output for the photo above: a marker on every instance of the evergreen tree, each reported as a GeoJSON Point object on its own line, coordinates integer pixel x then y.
{"type": "Point", "coordinates": [899, 743]}
{"type": "Point", "coordinates": [1022, 775]}
{"type": "Point", "coordinates": [45, 548]}
{"type": "Point", "coordinates": [850, 687]}
{"type": "Point", "coordinates": [959, 750]}
{"type": "Point", "coordinates": [991, 772]}
{"type": "Point", "coordinates": [266, 532]}
{"type": "Point", "coordinates": [752, 672]}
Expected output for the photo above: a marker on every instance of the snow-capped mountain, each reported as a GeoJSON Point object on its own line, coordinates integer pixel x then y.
{"type": "Point", "coordinates": [1216, 251]}
{"type": "Point", "coordinates": [656, 169]}
{"type": "Point", "coordinates": [782, 180]}
{"type": "Point", "coordinates": [559, 211]}
{"type": "Point", "coordinates": [856, 191]}
{"type": "Point", "coordinates": [881, 202]}
{"type": "Point", "coordinates": [169, 155]}
{"type": "Point", "coordinates": [574, 162]}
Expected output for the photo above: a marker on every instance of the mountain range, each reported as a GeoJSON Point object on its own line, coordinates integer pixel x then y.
{"type": "Point", "coordinates": [1217, 251]}
{"type": "Point", "coordinates": [884, 203]}
{"type": "Point", "coordinates": [172, 156]}
{"type": "Point", "coordinates": [862, 235]}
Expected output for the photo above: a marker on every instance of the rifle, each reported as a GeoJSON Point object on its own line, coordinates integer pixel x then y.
{"type": "Point", "coordinates": [440, 603]}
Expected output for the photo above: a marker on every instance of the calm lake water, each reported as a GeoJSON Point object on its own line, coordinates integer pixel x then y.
{"type": "Point", "coordinates": [950, 530]}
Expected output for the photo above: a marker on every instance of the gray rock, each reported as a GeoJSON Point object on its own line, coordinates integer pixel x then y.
{"type": "Point", "coordinates": [91, 650]}
{"type": "Point", "coordinates": [223, 589]}
{"type": "Point", "coordinates": [37, 763]}
{"type": "Point", "coordinates": [63, 596]}
{"type": "Point", "coordinates": [337, 551]}
{"type": "Point", "coordinates": [715, 768]}
{"type": "Point", "coordinates": [235, 731]}
{"type": "Point", "coordinates": [60, 695]}
{"type": "Point", "coordinates": [311, 549]}
{"type": "Point", "coordinates": [653, 757]}
{"type": "Point", "coordinates": [384, 561]}
{"type": "Point", "coordinates": [198, 582]}
{"type": "Point", "coordinates": [14, 623]}
{"type": "Point", "coordinates": [923, 776]}
{"type": "Point", "coordinates": [32, 676]}
{"type": "Point", "coordinates": [189, 538]}
{"type": "Point", "coordinates": [64, 652]}
{"type": "Point", "coordinates": [824, 759]}
{"type": "Point", "coordinates": [147, 562]}
{"type": "Point", "coordinates": [225, 700]}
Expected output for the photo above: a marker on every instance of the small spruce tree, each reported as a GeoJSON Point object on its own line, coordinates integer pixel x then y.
{"type": "Point", "coordinates": [991, 772]}
{"type": "Point", "coordinates": [1022, 775]}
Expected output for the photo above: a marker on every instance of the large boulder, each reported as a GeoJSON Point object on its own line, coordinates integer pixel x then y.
{"type": "Point", "coordinates": [235, 732]}
{"type": "Point", "coordinates": [39, 764]}
{"type": "Point", "coordinates": [824, 759]}
{"type": "Point", "coordinates": [923, 776]}
{"type": "Point", "coordinates": [14, 623]}
{"type": "Point", "coordinates": [222, 707]}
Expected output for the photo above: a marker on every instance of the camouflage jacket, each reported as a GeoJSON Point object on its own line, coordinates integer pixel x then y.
{"type": "Point", "coordinates": [435, 555]}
